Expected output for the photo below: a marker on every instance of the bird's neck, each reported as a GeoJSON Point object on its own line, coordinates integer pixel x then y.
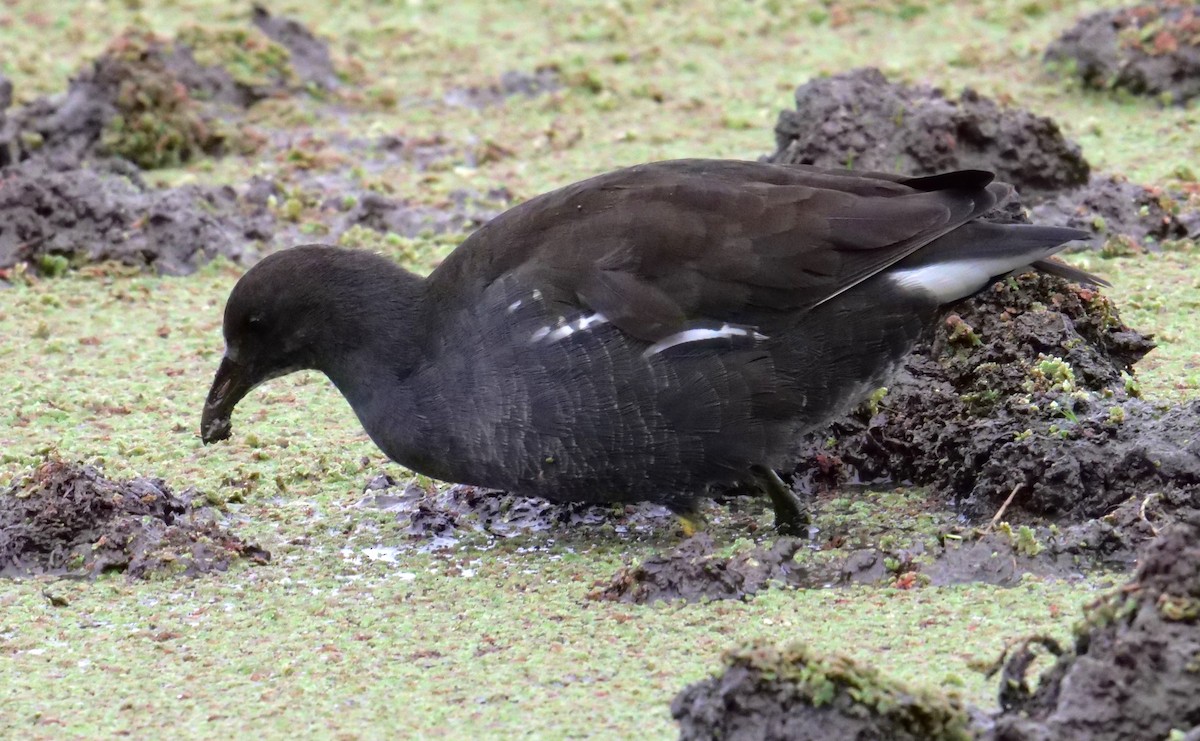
{"type": "Point", "coordinates": [373, 358]}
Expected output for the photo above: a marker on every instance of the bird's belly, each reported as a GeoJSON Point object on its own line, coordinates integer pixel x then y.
{"type": "Point", "coordinates": [593, 418]}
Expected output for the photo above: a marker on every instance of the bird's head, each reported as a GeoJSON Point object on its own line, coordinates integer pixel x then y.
{"type": "Point", "coordinates": [300, 308]}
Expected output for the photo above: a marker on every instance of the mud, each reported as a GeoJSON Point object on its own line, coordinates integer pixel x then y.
{"type": "Point", "coordinates": [54, 219]}
{"type": "Point", "coordinates": [797, 694]}
{"type": "Point", "coordinates": [1147, 49]}
{"type": "Point", "coordinates": [1124, 218]}
{"type": "Point", "coordinates": [142, 100]}
{"type": "Point", "coordinates": [695, 572]}
{"type": "Point", "coordinates": [1023, 391]}
{"type": "Point", "coordinates": [860, 120]}
{"type": "Point", "coordinates": [999, 553]}
{"type": "Point", "coordinates": [69, 520]}
{"type": "Point", "coordinates": [442, 515]}
{"type": "Point", "coordinates": [465, 212]}
{"type": "Point", "coordinates": [1134, 671]}
{"type": "Point", "coordinates": [161, 103]}
{"type": "Point", "coordinates": [308, 56]}
{"type": "Point", "coordinates": [71, 185]}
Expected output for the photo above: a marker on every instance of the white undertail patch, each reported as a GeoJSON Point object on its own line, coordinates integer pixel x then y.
{"type": "Point", "coordinates": [702, 334]}
{"type": "Point", "coordinates": [951, 281]}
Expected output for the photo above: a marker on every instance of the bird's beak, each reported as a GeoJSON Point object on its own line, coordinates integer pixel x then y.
{"type": "Point", "coordinates": [233, 381]}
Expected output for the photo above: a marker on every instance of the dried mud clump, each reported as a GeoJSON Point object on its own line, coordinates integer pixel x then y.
{"type": "Point", "coordinates": [1023, 394]}
{"type": "Point", "coordinates": [795, 693]}
{"type": "Point", "coordinates": [1135, 668]}
{"type": "Point", "coordinates": [52, 219]}
{"type": "Point", "coordinates": [69, 520]}
{"type": "Point", "coordinates": [695, 571]}
{"type": "Point", "coordinates": [151, 100]}
{"type": "Point", "coordinates": [1124, 218]}
{"type": "Point", "coordinates": [71, 186]}
{"type": "Point", "coordinates": [860, 120]}
{"type": "Point", "coordinates": [1147, 49]}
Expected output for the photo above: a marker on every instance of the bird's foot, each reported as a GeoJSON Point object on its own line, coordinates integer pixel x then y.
{"type": "Point", "coordinates": [691, 523]}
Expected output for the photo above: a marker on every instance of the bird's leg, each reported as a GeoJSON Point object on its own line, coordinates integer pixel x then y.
{"type": "Point", "coordinates": [791, 516]}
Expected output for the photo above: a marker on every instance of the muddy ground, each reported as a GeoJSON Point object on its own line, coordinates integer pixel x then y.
{"type": "Point", "coordinates": [445, 515]}
{"type": "Point", "coordinates": [1133, 672]}
{"type": "Point", "coordinates": [1020, 415]}
{"type": "Point", "coordinates": [1147, 49]}
{"type": "Point", "coordinates": [69, 520]}
{"type": "Point", "coordinates": [74, 165]}
{"type": "Point", "coordinates": [859, 119]}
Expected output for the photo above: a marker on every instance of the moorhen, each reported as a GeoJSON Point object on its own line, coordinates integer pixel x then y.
{"type": "Point", "coordinates": [644, 334]}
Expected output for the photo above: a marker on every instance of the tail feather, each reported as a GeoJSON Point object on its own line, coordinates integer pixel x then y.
{"type": "Point", "coordinates": [1071, 273]}
{"type": "Point", "coordinates": [969, 258]}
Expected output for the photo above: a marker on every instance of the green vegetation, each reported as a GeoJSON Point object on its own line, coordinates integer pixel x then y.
{"type": "Point", "coordinates": [340, 637]}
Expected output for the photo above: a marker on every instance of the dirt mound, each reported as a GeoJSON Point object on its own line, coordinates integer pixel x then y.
{"type": "Point", "coordinates": [67, 519]}
{"type": "Point", "coordinates": [53, 219]}
{"type": "Point", "coordinates": [151, 101]}
{"type": "Point", "coordinates": [70, 165]}
{"type": "Point", "coordinates": [1135, 668]}
{"type": "Point", "coordinates": [795, 693]}
{"type": "Point", "coordinates": [1023, 391]}
{"type": "Point", "coordinates": [1125, 218]}
{"type": "Point", "coordinates": [71, 190]}
{"type": "Point", "coordinates": [695, 572]}
{"type": "Point", "coordinates": [1148, 49]}
{"type": "Point", "coordinates": [307, 56]}
{"type": "Point", "coordinates": [858, 119]}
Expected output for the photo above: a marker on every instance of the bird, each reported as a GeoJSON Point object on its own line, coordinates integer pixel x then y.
{"type": "Point", "coordinates": [652, 333]}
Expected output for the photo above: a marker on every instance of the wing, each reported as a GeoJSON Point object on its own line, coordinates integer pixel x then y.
{"type": "Point", "coordinates": [655, 247]}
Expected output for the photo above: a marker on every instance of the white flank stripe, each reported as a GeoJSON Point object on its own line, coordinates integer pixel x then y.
{"type": "Point", "coordinates": [514, 306]}
{"type": "Point", "coordinates": [701, 334]}
{"type": "Point", "coordinates": [562, 331]}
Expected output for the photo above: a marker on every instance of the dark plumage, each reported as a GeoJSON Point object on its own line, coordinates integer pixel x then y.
{"type": "Point", "coordinates": [641, 335]}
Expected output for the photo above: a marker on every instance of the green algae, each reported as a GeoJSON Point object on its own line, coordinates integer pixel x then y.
{"type": "Point", "coordinates": [157, 123]}
{"type": "Point", "coordinates": [485, 639]}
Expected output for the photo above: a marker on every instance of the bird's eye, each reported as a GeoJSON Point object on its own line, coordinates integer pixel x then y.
{"type": "Point", "coordinates": [254, 323]}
